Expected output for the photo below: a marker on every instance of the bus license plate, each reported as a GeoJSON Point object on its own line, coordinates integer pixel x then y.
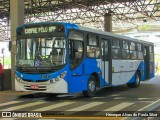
{"type": "Point", "coordinates": [34, 87]}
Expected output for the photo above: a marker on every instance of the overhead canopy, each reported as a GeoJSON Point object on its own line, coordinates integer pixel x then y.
{"type": "Point", "coordinates": [126, 13]}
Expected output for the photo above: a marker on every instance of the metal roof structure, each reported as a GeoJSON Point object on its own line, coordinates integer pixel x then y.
{"type": "Point", "coordinates": [127, 14]}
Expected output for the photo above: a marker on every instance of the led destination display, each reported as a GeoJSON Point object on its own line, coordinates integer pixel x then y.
{"type": "Point", "coordinates": [40, 29]}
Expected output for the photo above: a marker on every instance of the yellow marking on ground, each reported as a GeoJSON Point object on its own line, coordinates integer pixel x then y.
{"type": "Point", "coordinates": [8, 118]}
{"type": "Point", "coordinates": [84, 117]}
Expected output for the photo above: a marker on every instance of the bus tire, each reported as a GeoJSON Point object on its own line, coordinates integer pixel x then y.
{"type": "Point", "coordinates": [136, 84]}
{"type": "Point", "coordinates": [91, 87]}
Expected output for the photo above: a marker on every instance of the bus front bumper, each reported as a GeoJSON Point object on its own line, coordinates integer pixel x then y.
{"type": "Point", "coordinates": [60, 86]}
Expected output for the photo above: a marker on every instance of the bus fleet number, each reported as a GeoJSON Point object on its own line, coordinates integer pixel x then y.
{"type": "Point", "coordinates": [45, 76]}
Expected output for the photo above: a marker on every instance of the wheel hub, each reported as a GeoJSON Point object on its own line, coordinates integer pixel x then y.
{"type": "Point", "coordinates": [92, 86]}
{"type": "Point", "coordinates": [137, 79]}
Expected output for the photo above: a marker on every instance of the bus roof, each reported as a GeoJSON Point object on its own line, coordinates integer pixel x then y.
{"type": "Point", "coordinates": [114, 35]}
{"type": "Point", "coordinates": [46, 23]}
{"type": "Point", "coordinates": [73, 26]}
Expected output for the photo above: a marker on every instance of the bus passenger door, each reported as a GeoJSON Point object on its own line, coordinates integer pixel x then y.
{"type": "Point", "coordinates": [106, 61]}
{"type": "Point", "coordinates": [146, 62]}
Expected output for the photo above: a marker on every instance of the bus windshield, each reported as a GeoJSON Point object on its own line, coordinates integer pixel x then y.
{"type": "Point", "coordinates": [41, 52]}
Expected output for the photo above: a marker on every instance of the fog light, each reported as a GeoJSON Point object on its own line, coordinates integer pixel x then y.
{"type": "Point", "coordinates": [18, 79]}
{"type": "Point", "coordinates": [57, 79]}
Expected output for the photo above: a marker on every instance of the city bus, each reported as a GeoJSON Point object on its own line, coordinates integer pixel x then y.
{"type": "Point", "coordinates": [64, 58]}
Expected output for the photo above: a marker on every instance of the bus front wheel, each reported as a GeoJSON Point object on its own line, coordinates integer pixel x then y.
{"type": "Point", "coordinates": [91, 87]}
{"type": "Point", "coordinates": [136, 84]}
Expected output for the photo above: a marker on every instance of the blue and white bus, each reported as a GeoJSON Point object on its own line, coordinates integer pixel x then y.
{"type": "Point", "coordinates": [59, 58]}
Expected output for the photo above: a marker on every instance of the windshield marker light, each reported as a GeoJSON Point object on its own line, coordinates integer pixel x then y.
{"type": "Point", "coordinates": [62, 75]}
{"type": "Point", "coordinates": [21, 75]}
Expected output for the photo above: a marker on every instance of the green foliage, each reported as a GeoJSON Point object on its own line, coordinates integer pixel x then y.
{"type": "Point", "coordinates": [157, 6]}
{"type": "Point", "coordinates": [7, 61]}
{"type": "Point", "coordinates": [157, 58]}
{"type": "Point", "coordinates": [143, 27]}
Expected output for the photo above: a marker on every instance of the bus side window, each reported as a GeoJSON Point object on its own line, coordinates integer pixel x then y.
{"type": "Point", "coordinates": [93, 50]}
{"type": "Point", "coordinates": [125, 50]}
{"type": "Point", "coordinates": [76, 48]}
{"type": "Point", "coordinates": [116, 51]}
{"type": "Point", "coordinates": [139, 51]}
{"type": "Point", "coordinates": [76, 52]}
{"type": "Point", "coordinates": [133, 53]}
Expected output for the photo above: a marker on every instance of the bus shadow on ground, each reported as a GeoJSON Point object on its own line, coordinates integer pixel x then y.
{"type": "Point", "coordinates": [104, 94]}
{"type": "Point", "coordinates": [42, 96]}
{"type": "Point", "coordinates": [112, 90]}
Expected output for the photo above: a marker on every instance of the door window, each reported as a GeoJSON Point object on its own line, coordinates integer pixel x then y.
{"type": "Point", "coordinates": [104, 48]}
{"type": "Point", "coordinates": [76, 49]}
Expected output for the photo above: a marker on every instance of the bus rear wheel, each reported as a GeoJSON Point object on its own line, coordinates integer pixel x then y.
{"type": "Point", "coordinates": [136, 84]}
{"type": "Point", "coordinates": [91, 87]}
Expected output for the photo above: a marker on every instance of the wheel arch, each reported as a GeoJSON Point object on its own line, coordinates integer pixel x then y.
{"type": "Point", "coordinates": [96, 76]}
{"type": "Point", "coordinates": [139, 73]}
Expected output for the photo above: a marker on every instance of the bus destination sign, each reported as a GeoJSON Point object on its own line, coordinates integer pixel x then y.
{"type": "Point", "coordinates": [40, 29]}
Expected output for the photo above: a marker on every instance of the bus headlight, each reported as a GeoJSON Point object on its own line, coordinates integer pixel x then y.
{"type": "Point", "coordinates": [54, 80]}
{"type": "Point", "coordinates": [18, 79]}
{"type": "Point", "coordinates": [57, 79]}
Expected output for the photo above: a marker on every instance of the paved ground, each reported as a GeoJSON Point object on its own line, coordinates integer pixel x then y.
{"type": "Point", "coordinates": [107, 100]}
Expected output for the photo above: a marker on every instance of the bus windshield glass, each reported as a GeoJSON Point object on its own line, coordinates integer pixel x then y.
{"type": "Point", "coordinates": [41, 52]}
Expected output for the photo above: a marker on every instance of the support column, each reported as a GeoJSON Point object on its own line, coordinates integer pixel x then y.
{"type": "Point", "coordinates": [108, 22]}
{"type": "Point", "coordinates": [17, 19]}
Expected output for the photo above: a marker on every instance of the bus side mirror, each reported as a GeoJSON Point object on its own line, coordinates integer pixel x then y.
{"type": "Point", "coordinates": [10, 46]}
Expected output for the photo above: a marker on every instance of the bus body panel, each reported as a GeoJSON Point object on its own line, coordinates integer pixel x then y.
{"type": "Point", "coordinates": [104, 72]}
{"type": "Point", "coordinates": [81, 74]}
{"type": "Point", "coordinates": [151, 70]}
{"type": "Point", "coordinates": [77, 78]}
{"type": "Point", "coordinates": [58, 87]}
{"type": "Point", "coordinates": [42, 82]}
{"type": "Point", "coordinates": [141, 70]}
{"type": "Point", "coordinates": [123, 71]}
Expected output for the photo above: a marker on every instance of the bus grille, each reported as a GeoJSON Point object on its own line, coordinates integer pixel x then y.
{"type": "Point", "coordinates": [26, 80]}
{"type": "Point", "coordinates": [41, 88]}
